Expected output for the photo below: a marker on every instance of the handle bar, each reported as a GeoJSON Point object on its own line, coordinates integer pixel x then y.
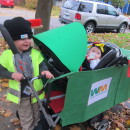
{"type": "Point", "coordinates": [47, 116]}
{"type": "Point", "coordinates": [38, 77]}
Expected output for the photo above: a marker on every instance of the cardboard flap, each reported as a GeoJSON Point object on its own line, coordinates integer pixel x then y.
{"type": "Point", "coordinates": [67, 43]}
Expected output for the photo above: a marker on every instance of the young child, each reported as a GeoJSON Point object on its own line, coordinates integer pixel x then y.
{"type": "Point", "coordinates": [94, 56]}
{"type": "Point", "coordinates": [28, 63]}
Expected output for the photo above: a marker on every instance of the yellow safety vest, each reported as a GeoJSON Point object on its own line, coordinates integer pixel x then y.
{"type": "Point", "coordinates": [14, 93]}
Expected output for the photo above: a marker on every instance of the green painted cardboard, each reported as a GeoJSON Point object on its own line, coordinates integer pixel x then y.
{"type": "Point", "coordinates": [68, 43]}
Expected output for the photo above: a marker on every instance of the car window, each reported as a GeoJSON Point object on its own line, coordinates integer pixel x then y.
{"type": "Point", "coordinates": [86, 7]}
{"type": "Point", "coordinates": [71, 4]}
{"type": "Point", "coordinates": [111, 11]}
{"type": "Point", "coordinates": [101, 9]}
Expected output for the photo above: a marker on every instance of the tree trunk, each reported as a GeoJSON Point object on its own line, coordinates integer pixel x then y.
{"type": "Point", "coordinates": [43, 11]}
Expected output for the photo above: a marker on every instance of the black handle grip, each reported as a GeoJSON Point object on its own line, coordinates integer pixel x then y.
{"type": "Point", "coordinates": [41, 76]}
{"type": "Point", "coordinates": [8, 39]}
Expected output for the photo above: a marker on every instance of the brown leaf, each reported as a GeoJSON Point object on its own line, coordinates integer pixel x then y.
{"type": "Point", "coordinates": [3, 99]}
{"type": "Point", "coordinates": [120, 125]}
{"type": "Point", "coordinates": [74, 127]}
{"type": "Point", "coordinates": [8, 113]}
{"type": "Point", "coordinates": [5, 84]}
{"type": "Point", "coordinates": [18, 129]}
{"type": "Point", "coordinates": [1, 89]}
{"type": "Point", "coordinates": [128, 123]}
{"type": "Point", "coordinates": [15, 121]}
{"type": "Point", "coordinates": [57, 127]}
{"type": "Point", "coordinates": [2, 110]}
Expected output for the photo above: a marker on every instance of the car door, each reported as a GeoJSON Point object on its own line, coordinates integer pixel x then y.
{"type": "Point", "coordinates": [113, 17]}
{"type": "Point", "coordinates": [101, 16]}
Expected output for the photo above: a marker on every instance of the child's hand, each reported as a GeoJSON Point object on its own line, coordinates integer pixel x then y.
{"type": "Point", "coordinates": [17, 76]}
{"type": "Point", "coordinates": [47, 74]}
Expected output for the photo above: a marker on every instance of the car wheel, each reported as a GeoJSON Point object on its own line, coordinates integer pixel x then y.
{"type": "Point", "coordinates": [90, 27]}
{"type": "Point", "coordinates": [122, 28]}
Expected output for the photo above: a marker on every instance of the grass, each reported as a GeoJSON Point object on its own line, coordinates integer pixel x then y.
{"type": "Point", "coordinates": [55, 11]}
{"type": "Point", "coordinates": [122, 40]}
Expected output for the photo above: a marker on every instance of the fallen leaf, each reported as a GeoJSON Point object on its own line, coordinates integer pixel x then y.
{"type": "Point", "coordinates": [57, 127]}
{"type": "Point", "coordinates": [5, 84]}
{"type": "Point", "coordinates": [2, 110]}
{"type": "Point", "coordinates": [15, 121]}
{"type": "Point", "coordinates": [74, 127]}
{"type": "Point", "coordinates": [3, 99]}
{"type": "Point", "coordinates": [128, 123]}
{"type": "Point", "coordinates": [8, 113]}
{"type": "Point", "coordinates": [1, 89]}
{"type": "Point", "coordinates": [18, 129]}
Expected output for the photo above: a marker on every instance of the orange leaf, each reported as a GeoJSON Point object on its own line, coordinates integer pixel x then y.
{"type": "Point", "coordinates": [8, 113]}
{"type": "Point", "coordinates": [5, 84]}
{"type": "Point", "coordinates": [0, 89]}
{"type": "Point", "coordinates": [18, 129]}
{"type": "Point", "coordinates": [15, 121]}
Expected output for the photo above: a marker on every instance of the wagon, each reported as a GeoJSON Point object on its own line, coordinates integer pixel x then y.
{"type": "Point", "coordinates": [75, 96]}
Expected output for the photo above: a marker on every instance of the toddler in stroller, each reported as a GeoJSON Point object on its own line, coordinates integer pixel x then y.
{"type": "Point", "coordinates": [102, 55]}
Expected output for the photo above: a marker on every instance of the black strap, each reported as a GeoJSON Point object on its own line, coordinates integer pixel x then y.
{"type": "Point", "coordinates": [48, 93]}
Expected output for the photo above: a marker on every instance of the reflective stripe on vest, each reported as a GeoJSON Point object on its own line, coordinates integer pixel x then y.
{"type": "Point", "coordinates": [14, 95]}
{"type": "Point", "coordinates": [13, 98]}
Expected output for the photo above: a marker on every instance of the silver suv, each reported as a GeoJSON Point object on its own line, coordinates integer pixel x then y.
{"type": "Point", "coordinates": [93, 15]}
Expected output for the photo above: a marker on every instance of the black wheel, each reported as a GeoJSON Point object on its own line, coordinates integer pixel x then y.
{"type": "Point", "coordinates": [122, 28]}
{"type": "Point", "coordinates": [90, 27]}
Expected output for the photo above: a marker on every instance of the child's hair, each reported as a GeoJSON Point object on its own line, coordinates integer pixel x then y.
{"type": "Point", "coordinates": [101, 46]}
{"type": "Point", "coordinates": [19, 28]}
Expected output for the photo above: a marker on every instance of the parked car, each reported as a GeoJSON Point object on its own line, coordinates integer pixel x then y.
{"type": "Point", "coordinates": [129, 23]}
{"type": "Point", "coordinates": [9, 3]}
{"type": "Point", "coordinates": [93, 15]}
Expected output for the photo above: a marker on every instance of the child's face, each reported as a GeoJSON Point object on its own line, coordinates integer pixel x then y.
{"type": "Point", "coordinates": [96, 51]}
{"type": "Point", "coordinates": [23, 44]}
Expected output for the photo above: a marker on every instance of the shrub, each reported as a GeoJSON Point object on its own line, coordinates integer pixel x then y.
{"type": "Point", "coordinates": [31, 4]}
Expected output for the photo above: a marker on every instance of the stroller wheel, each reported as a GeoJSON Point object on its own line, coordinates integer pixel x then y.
{"type": "Point", "coordinates": [104, 124]}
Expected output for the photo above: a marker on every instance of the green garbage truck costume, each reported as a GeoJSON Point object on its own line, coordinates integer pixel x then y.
{"type": "Point", "coordinates": [90, 92]}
